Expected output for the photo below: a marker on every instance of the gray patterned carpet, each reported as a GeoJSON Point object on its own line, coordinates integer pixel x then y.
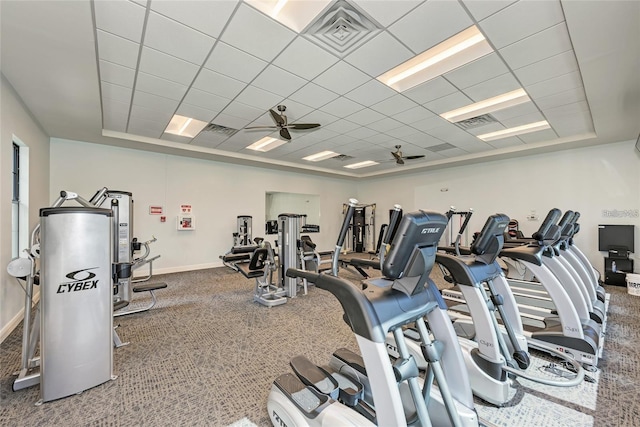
{"type": "Point", "coordinates": [206, 356]}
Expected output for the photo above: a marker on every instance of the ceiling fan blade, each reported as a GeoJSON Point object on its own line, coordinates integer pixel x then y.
{"type": "Point", "coordinates": [419, 156]}
{"type": "Point", "coordinates": [400, 161]}
{"type": "Point", "coordinates": [303, 125]}
{"type": "Point", "coordinates": [277, 118]}
{"type": "Point", "coordinates": [285, 133]}
{"type": "Point", "coordinates": [261, 127]}
{"type": "Point", "coordinates": [397, 155]}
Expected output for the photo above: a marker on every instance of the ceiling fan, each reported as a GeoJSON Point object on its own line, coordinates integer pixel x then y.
{"type": "Point", "coordinates": [399, 158]}
{"type": "Point", "coordinates": [283, 125]}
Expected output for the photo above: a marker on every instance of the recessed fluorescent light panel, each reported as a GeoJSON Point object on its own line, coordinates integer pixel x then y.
{"type": "Point", "coordinates": [490, 105]}
{"type": "Point", "coordinates": [460, 49]}
{"type": "Point", "coordinates": [294, 14]}
{"type": "Point", "coordinates": [361, 164]}
{"type": "Point", "coordinates": [324, 155]}
{"type": "Point", "coordinates": [185, 126]}
{"type": "Point", "coordinates": [519, 130]}
{"type": "Point", "coordinates": [266, 144]}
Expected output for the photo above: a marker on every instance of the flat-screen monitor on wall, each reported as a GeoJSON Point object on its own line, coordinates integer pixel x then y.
{"type": "Point", "coordinates": [616, 236]}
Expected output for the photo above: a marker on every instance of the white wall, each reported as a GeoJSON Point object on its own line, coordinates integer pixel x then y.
{"type": "Point", "coordinates": [589, 180]}
{"type": "Point", "coordinates": [218, 193]}
{"type": "Point", "coordinates": [16, 121]}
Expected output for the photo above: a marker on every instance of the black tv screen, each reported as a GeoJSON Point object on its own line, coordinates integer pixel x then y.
{"type": "Point", "coordinates": [616, 236]}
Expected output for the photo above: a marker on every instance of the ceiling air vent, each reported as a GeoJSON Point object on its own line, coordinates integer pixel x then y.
{"type": "Point", "coordinates": [342, 157]}
{"type": "Point", "coordinates": [441, 147]}
{"type": "Point", "coordinates": [342, 29]}
{"type": "Point", "coordinates": [219, 129]}
{"type": "Point", "coordinates": [475, 122]}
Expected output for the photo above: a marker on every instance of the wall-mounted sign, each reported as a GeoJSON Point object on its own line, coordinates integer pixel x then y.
{"type": "Point", "coordinates": [155, 210]}
{"type": "Point", "coordinates": [185, 209]}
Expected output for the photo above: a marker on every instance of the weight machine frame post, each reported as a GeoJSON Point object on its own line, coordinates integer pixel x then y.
{"type": "Point", "coordinates": [348, 244]}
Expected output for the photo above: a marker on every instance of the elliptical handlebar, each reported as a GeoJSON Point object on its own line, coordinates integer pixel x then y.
{"type": "Point", "coordinates": [393, 224]}
{"type": "Point", "coordinates": [343, 234]}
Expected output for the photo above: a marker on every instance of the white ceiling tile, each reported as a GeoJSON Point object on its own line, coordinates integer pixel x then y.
{"type": "Point", "coordinates": [166, 66]}
{"type": "Point", "coordinates": [139, 126]}
{"type": "Point", "coordinates": [430, 23]}
{"type": "Point", "coordinates": [477, 147]}
{"type": "Point", "coordinates": [198, 113]}
{"type": "Point", "coordinates": [342, 107]}
{"type": "Point", "coordinates": [313, 95]}
{"type": "Point", "coordinates": [114, 108]}
{"type": "Point", "coordinates": [429, 123]}
{"type": "Point", "coordinates": [381, 138]}
{"type": "Point", "coordinates": [205, 100]}
{"type": "Point", "coordinates": [209, 139]}
{"type": "Point", "coordinates": [557, 84]}
{"type": "Point", "coordinates": [370, 93]}
{"type": "Point", "coordinates": [235, 63]}
{"type": "Point", "coordinates": [154, 102]}
{"type": "Point", "coordinates": [218, 84]}
{"type": "Point", "coordinates": [386, 12]}
{"type": "Point", "coordinates": [122, 18]}
{"type": "Point", "coordinates": [232, 122]}
{"type": "Point", "coordinates": [565, 97]}
{"type": "Point", "coordinates": [537, 47]}
{"type": "Point", "coordinates": [116, 92]}
{"type": "Point", "coordinates": [394, 104]}
{"type": "Point", "coordinates": [117, 50]}
{"type": "Point", "coordinates": [492, 87]}
{"type": "Point", "coordinates": [521, 20]}
{"type": "Point", "coordinates": [342, 126]}
{"type": "Point", "coordinates": [169, 36]}
{"type": "Point", "coordinates": [567, 109]}
{"type": "Point", "coordinates": [449, 102]}
{"type": "Point", "coordinates": [325, 134]}
{"type": "Point", "coordinates": [116, 74]}
{"type": "Point", "coordinates": [422, 140]}
{"type": "Point", "coordinates": [379, 55]}
{"type": "Point", "coordinates": [428, 91]}
{"type": "Point", "coordinates": [413, 115]}
{"type": "Point", "coordinates": [115, 121]}
{"type": "Point", "coordinates": [542, 135]}
{"type": "Point", "coordinates": [523, 120]}
{"type": "Point", "coordinates": [266, 39]}
{"type": "Point", "coordinates": [364, 117]}
{"type": "Point", "coordinates": [506, 142]}
{"type": "Point", "coordinates": [546, 69]}
{"type": "Point", "coordinates": [451, 133]}
{"type": "Point", "coordinates": [278, 81]}
{"type": "Point", "coordinates": [318, 116]}
{"type": "Point", "coordinates": [158, 86]}
{"type": "Point", "coordinates": [404, 131]}
{"type": "Point", "coordinates": [206, 16]}
{"type": "Point", "coordinates": [385, 125]}
{"type": "Point", "coordinates": [573, 124]}
{"type": "Point", "coordinates": [341, 78]}
{"type": "Point", "coordinates": [515, 111]}
{"type": "Point", "coordinates": [480, 9]}
{"type": "Point", "coordinates": [305, 59]}
{"type": "Point", "coordinates": [477, 71]}
{"type": "Point", "coordinates": [243, 111]}
{"type": "Point", "coordinates": [487, 128]}
{"type": "Point", "coordinates": [259, 98]}
{"type": "Point", "coordinates": [361, 132]}
{"type": "Point", "coordinates": [141, 2]}
{"type": "Point", "coordinates": [295, 110]}
{"type": "Point", "coordinates": [452, 152]}
{"type": "Point", "coordinates": [138, 112]}
{"type": "Point", "coordinates": [176, 138]}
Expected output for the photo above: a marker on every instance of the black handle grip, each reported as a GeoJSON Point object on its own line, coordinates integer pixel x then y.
{"type": "Point", "coordinates": [393, 223]}
{"type": "Point", "coordinates": [347, 221]}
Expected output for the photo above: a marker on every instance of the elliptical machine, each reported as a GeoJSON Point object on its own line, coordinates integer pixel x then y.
{"type": "Point", "coordinates": [394, 394]}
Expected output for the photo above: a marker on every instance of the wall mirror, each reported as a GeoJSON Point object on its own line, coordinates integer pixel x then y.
{"type": "Point", "coordinates": [304, 204]}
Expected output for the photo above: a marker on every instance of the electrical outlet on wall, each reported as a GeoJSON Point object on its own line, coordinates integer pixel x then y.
{"type": "Point", "coordinates": [532, 216]}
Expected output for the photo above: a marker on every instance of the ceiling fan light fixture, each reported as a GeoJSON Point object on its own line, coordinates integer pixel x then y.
{"type": "Point", "coordinates": [518, 130]}
{"type": "Point", "coordinates": [185, 126]}
{"type": "Point", "coordinates": [323, 155]}
{"type": "Point", "coordinates": [464, 47]}
{"type": "Point", "coordinates": [266, 144]}
{"type": "Point", "coordinates": [489, 105]}
{"type": "Point", "coordinates": [359, 165]}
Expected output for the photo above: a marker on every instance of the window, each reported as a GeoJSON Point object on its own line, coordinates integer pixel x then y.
{"type": "Point", "coordinates": [15, 202]}
{"type": "Point", "coordinates": [19, 197]}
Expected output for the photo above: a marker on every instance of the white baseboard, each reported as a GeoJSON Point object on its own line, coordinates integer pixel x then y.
{"type": "Point", "coordinates": [182, 268]}
{"type": "Point", "coordinates": [9, 327]}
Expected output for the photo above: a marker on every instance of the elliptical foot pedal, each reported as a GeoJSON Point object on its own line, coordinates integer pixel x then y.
{"type": "Point", "coordinates": [305, 398]}
{"type": "Point", "coordinates": [314, 376]}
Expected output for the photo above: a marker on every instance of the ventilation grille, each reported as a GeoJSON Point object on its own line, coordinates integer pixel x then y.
{"type": "Point", "coordinates": [441, 147]}
{"type": "Point", "coordinates": [477, 121]}
{"type": "Point", "coordinates": [342, 29]}
{"type": "Point", "coordinates": [342, 157]}
{"type": "Point", "coordinates": [219, 129]}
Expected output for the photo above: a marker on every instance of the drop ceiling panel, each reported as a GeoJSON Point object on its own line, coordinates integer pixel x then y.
{"type": "Point", "coordinates": [232, 122]}
{"type": "Point", "coordinates": [428, 91]}
{"type": "Point", "coordinates": [429, 123]}
{"type": "Point", "coordinates": [370, 93]}
{"type": "Point", "coordinates": [521, 20]}
{"type": "Point", "coordinates": [173, 38]}
{"type": "Point", "coordinates": [515, 111]}
{"type": "Point", "coordinates": [138, 112]}
{"type": "Point", "coordinates": [295, 111]}
{"type": "Point", "coordinates": [430, 23]}
{"type": "Point", "coordinates": [342, 107]}
{"type": "Point", "coordinates": [421, 140]}
{"type": "Point", "coordinates": [243, 111]}
{"type": "Point", "coordinates": [523, 120]}
{"type": "Point", "coordinates": [234, 63]}
{"type": "Point", "coordinates": [313, 95]}
{"type": "Point", "coordinates": [506, 142]}
{"type": "Point", "coordinates": [176, 138]}
{"type": "Point", "coordinates": [480, 9]}
{"type": "Point", "coordinates": [380, 138]}
{"type": "Point", "coordinates": [574, 124]}
{"type": "Point", "coordinates": [161, 87]}
{"type": "Point", "coordinates": [492, 87]}
{"type": "Point", "coordinates": [557, 84]}
{"type": "Point", "coordinates": [361, 133]}
{"type": "Point", "coordinates": [116, 74]}
{"type": "Point", "coordinates": [477, 71]}
{"type": "Point", "coordinates": [539, 136]}
{"type": "Point", "coordinates": [385, 125]}
{"type": "Point", "coordinates": [259, 98]}
{"type": "Point", "coordinates": [116, 121]}
{"type": "Point", "coordinates": [139, 126]}
{"type": "Point", "coordinates": [117, 49]}
{"type": "Point", "coordinates": [208, 17]}
{"type": "Point", "coordinates": [321, 117]}
{"type": "Point", "coordinates": [452, 152]}
{"type": "Point", "coordinates": [305, 59]}
{"type": "Point", "coordinates": [490, 127]}
{"type": "Point", "coordinates": [115, 92]}
{"type": "Point", "coordinates": [153, 102]}
{"type": "Point", "coordinates": [341, 126]}
{"type": "Point", "coordinates": [205, 100]}
{"type": "Point", "coordinates": [561, 98]}
{"type": "Point", "coordinates": [397, 103]}
{"type": "Point", "coordinates": [379, 55]}
{"type": "Point", "coordinates": [537, 47]}
{"type": "Point", "coordinates": [166, 66]}
{"type": "Point", "coordinates": [386, 12]}
{"type": "Point", "coordinates": [413, 115]}
{"type": "Point", "coordinates": [365, 116]}
{"type": "Point", "coordinates": [266, 39]}
{"type": "Point", "coordinates": [278, 81]}
{"type": "Point", "coordinates": [452, 134]}
{"type": "Point", "coordinates": [188, 110]}
{"type": "Point", "coordinates": [115, 109]}
{"type": "Point", "coordinates": [209, 139]}
{"type": "Point", "coordinates": [449, 102]}
{"type": "Point", "coordinates": [567, 109]}
{"type": "Point", "coordinates": [546, 69]}
{"type": "Point", "coordinates": [218, 84]}
{"type": "Point", "coordinates": [342, 78]}
{"type": "Point", "coordinates": [122, 18]}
